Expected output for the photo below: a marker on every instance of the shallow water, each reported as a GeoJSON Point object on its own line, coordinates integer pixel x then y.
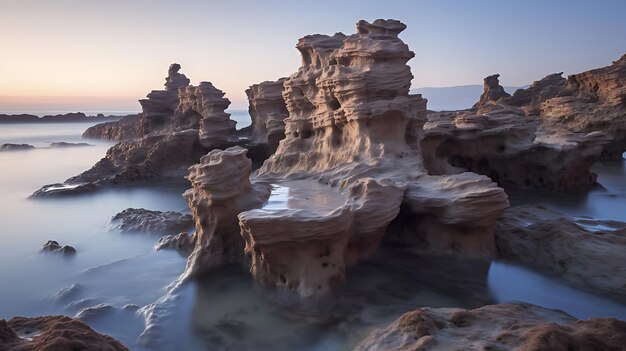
{"type": "Point", "coordinates": [226, 309]}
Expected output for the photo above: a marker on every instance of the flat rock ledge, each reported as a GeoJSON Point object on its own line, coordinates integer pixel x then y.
{"type": "Point", "coordinates": [53, 333]}
{"type": "Point", "coordinates": [149, 221]}
{"type": "Point", "coordinates": [503, 327]}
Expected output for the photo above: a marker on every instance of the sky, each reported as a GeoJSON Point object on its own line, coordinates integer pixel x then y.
{"type": "Point", "coordinates": [108, 54]}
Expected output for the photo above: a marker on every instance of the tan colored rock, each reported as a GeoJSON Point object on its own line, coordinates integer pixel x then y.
{"type": "Point", "coordinates": [511, 326]}
{"type": "Point", "coordinates": [268, 112]}
{"type": "Point", "coordinates": [587, 253]}
{"type": "Point", "coordinates": [53, 333]}
{"type": "Point", "coordinates": [493, 91]}
{"type": "Point", "coordinates": [221, 189]}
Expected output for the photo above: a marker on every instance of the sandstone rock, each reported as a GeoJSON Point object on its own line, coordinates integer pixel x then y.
{"type": "Point", "coordinates": [15, 147]}
{"type": "Point", "coordinates": [175, 128]}
{"type": "Point", "coordinates": [53, 333]}
{"type": "Point", "coordinates": [268, 112]}
{"type": "Point", "coordinates": [546, 136]}
{"type": "Point", "coordinates": [124, 129]}
{"type": "Point", "coordinates": [52, 246]}
{"type": "Point", "coordinates": [493, 91]}
{"type": "Point", "coordinates": [142, 220]}
{"type": "Point", "coordinates": [221, 189]}
{"type": "Point", "coordinates": [585, 252]}
{"type": "Point", "coordinates": [512, 326]}
{"type": "Point", "coordinates": [183, 242]}
{"type": "Point", "coordinates": [350, 159]}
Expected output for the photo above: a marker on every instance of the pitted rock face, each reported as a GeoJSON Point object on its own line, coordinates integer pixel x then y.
{"type": "Point", "coordinates": [268, 111]}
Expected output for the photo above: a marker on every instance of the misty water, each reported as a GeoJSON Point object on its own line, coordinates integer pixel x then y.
{"type": "Point", "coordinates": [226, 309]}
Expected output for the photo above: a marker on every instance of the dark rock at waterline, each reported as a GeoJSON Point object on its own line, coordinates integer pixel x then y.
{"type": "Point", "coordinates": [53, 247]}
{"type": "Point", "coordinates": [53, 333]}
{"type": "Point", "coordinates": [128, 127]}
{"type": "Point", "coordinates": [64, 118]}
{"type": "Point", "coordinates": [61, 144]}
{"type": "Point", "coordinates": [142, 220]}
{"type": "Point", "coordinates": [67, 293]}
{"type": "Point", "coordinates": [64, 189]}
{"type": "Point", "coordinates": [16, 147]}
{"type": "Point", "coordinates": [93, 312]}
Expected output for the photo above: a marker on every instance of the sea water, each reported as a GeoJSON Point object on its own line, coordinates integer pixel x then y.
{"type": "Point", "coordinates": [117, 273]}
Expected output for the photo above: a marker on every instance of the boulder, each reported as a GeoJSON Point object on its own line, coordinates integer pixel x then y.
{"type": "Point", "coordinates": [159, 222]}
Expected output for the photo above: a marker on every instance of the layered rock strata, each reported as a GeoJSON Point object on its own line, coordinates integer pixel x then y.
{"type": "Point", "coordinates": [546, 136]}
{"type": "Point", "coordinates": [587, 253]}
{"type": "Point", "coordinates": [512, 326]}
{"type": "Point", "coordinates": [352, 132]}
{"type": "Point", "coordinates": [53, 333]}
{"type": "Point", "coordinates": [124, 129]}
{"type": "Point", "coordinates": [176, 127]}
{"type": "Point", "coordinates": [268, 111]}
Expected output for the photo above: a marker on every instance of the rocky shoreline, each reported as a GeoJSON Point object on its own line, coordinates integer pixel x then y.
{"type": "Point", "coordinates": [365, 164]}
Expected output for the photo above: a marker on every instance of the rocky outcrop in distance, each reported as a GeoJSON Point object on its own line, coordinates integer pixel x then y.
{"type": "Point", "coordinates": [352, 164]}
{"type": "Point", "coordinates": [63, 118]}
{"type": "Point", "coordinates": [16, 147]}
{"type": "Point", "coordinates": [585, 252]}
{"type": "Point", "coordinates": [545, 137]}
{"type": "Point", "coordinates": [511, 326]}
{"type": "Point", "coordinates": [176, 127]}
{"type": "Point", "coordinates": [52, 246]}
{"type": "Point", "coordinates": [53, 333]}
{"type": "Point", "coordinates": [125, 128]}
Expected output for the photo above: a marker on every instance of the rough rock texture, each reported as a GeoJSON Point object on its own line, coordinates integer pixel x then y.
{"type": "Point", "coordinates": [142, 220]}
{"type": "Point", "coordinates": [546, 136]}
{"type": "Point", "coordinates": [53, 333]}
{"type": "Point", "coordinates": [221, 189]}
{"type": "Point", "coordinates": [183, 242]}
{"type": "Point", "coordinates": [16, 147]}
{"type": "Point", "coordinates": [520, 327]}
{"type": "Point", "coordinates": [176, 127]}
{"type": "Point", "coordinates": [52, 246]}
{"type": "Point", "coordinates": [588, 253]}
{"type": "Point", "coordinates": [268, 111]}
{"type": "Point", "coordinates": [124, 129]}
{"type": "Point", "coordinates": [493, 91]}
{"type": "Point", "coordinates": [350, 160]}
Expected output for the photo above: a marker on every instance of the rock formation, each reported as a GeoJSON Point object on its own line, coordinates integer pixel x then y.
{"type": "Point", "coordinates": [61, 144]}
{"type": "Point", "coordinates": [142, 220]}
{"type": "Point", "coordinates": [512, 326]}
{"type": "Point", "coordinates": [585, 252]}
{"type": "Point", "coordinates": [64, 118]}
{"type": "Point", "coordinates": [124, 129]}
{"type": "Point", "coordinates": [268, 112]}
{"type": "Point", "coordinates": [52, 246]}
{"type": "Point", "coordinates": [16, 147]}
{"type": "Point", "coordinates": [176, 127]}
{"type": "Point", "coordinates": [546, 136]}
{"type": "Point", "coordinates": [351, 160]}
{"type": "Point", "coordinates": [493, 91]}
{"type": "Point", "coordinates": [53, 333]}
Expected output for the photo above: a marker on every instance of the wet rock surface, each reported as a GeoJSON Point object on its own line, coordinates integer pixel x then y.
{"type": "Point", "coordinates": [53, 333]}
{"type": "Point", "coordinates": [52, 246]}
{"type": "Point", "coordinates": [585, 252]}
{"type": "Point", "coordinates": [158, 222]}
{"type": "Point", "coordinates": [512, 326]}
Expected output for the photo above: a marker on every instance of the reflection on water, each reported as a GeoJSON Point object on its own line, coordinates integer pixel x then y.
{"type": "Point", "coordinates": [309, 195]}
{"type": "Point", "coordinates": [226, 309]}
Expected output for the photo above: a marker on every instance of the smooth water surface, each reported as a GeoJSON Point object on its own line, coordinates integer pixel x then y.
{"type": "Point", "coordinates": [226, 309]}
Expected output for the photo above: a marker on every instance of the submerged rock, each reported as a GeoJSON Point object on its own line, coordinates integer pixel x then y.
{"type": "Point", "coordinates": [53, 333]}
{"type": "Point", "coordinates": [52, 246]}
{"type": "Point", "coordinates": [16, 147]}
{"type": "Point", "coordinates": [66, 144]}
{"type": "Point", "coordinates": [142, 220]}
{"type": "Point", "coordinates": [585, 252]}
{"type": "Point", "coordinates": [511, 326]}
{"type": "Point", "coordinates": [183, 242]}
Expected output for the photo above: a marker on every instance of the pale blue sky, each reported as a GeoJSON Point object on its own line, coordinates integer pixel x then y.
{"type": "Point", "coordinates": [114, 52]}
